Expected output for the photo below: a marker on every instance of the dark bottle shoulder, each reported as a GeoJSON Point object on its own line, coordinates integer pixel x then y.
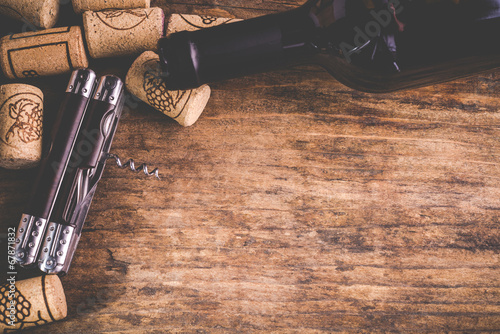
{"type": "Point", "coordinates": [404, 44]}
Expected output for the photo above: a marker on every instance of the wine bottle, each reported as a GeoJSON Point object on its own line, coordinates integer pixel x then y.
{"type": "Point", "coordinates": [369, 45]}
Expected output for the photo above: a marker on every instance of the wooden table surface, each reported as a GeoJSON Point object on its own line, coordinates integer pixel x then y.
{"type": "Point", "coordinates": [294, 205]}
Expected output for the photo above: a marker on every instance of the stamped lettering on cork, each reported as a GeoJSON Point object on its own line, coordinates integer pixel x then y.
{"type": "Point", "coordinates": [26, 110]}
{"type": "Point", "coordinates": [157, 93]}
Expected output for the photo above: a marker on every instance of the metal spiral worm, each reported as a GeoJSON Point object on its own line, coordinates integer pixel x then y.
{"type": "Point", "coordinates": [131, 164]}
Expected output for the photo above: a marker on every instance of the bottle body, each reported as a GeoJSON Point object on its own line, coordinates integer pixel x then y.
{"type": "Point", "coordinates": [369, 45]}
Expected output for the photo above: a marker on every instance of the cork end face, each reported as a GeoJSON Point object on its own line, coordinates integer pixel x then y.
{"type": "Point", "coordinates": [87, 17]}
{"type": "Point", "coordinates": [162, 27]}
{"type": "Point", "coordinates": [49, 13]}
{"type": "Point", "coordinates": [157, 29]}
{"type": "Point", "coordinates": [77, 7]}
{"type": "Point", "coordinates": [79, 56]}
{"type": "Point", "coordinates": [195, 106]}
{"type": "Point", "coordinates": [56, 299]}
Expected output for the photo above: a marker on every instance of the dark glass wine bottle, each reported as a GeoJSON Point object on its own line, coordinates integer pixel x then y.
{"type": "Point", "coordinates": [369, 45]}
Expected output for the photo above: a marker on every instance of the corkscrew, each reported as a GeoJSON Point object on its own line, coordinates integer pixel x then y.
{"type": "Point", "coordinates": [86, 124]}
{"type": "Point", "coordinates": [131, 164]}
{"type": "Point", "coordinates": [54, 167]}
{"type": "Point", "coordinates": [85, 170]}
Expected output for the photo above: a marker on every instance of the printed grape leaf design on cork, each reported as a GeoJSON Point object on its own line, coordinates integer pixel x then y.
{"type": "Point", "coordinates": [208, 19]}
{"type": "Point", "coordinates": [203, 21]}
{"type": "Point", "coordinates": [30, 74]}
{"type": "Point", "coordinates": [22, 309]}
{"type": "Point", "coordinates": [156, 91]}
{"type": "Point", "coordinates": [28, 121]}
{"type": "Point", "coordinates": [22, 306]}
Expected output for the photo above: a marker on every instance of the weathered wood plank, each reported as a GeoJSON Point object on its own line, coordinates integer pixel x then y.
{"type": "Point", "coordinates": [294, 205]}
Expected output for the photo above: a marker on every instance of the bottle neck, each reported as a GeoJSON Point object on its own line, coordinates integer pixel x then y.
{"type": "Point", "coordinates": [190, 59]}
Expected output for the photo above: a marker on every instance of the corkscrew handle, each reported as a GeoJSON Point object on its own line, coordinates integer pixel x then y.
{"type": "Point", "coordinates": [54, 166]}
{"type": "Point", "coordinates": [63, 138]}
{"type": "Point", "coordinates": [88, 162]}
{"type": "Point", "coordinates": [104, 111]}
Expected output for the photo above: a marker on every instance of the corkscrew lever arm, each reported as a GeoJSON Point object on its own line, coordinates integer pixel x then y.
{"type": "Point", "coordinates": [54, 168]}
{"type": "Point", "coordinates": [89, 156]}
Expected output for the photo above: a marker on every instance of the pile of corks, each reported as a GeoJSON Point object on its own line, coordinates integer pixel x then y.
{"type": "Point", "coordinates": [111, 28]}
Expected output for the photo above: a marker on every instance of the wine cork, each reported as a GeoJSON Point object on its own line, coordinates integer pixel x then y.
{"type": "Point", "coordinates": [21, 117]}
{"type": "Point", "coordinates": [144, 80]}
{"type": "Point", "coordinates": [113, 33]}
{"type": "Point", "coordinates": [40, 13]}
{"type": "Point", "coordinates": [80, 6]}
{"type": "Point", "coordinates": [31, 303]}
{"type": "Point", "coordinates": [181, 22]}
{"type": "Point", "coordinates": [46, 52]}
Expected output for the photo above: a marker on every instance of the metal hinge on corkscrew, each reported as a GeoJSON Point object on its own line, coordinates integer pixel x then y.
{"type": "Point", "coordinates": [51, 227]}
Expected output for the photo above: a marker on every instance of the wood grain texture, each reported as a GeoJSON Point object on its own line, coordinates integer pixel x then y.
{"type": "Point", "coordinates": [294, 205]}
